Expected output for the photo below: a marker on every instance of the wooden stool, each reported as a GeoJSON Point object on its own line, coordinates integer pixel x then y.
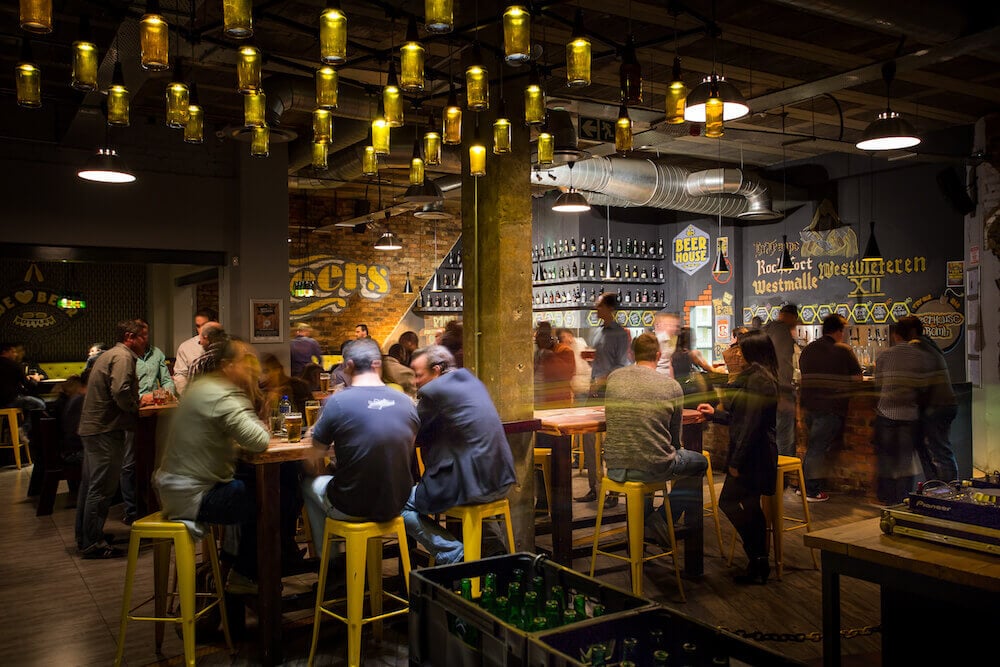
{"type": "Point", "coordinates": [364, 552]}
{"type": "Point", "coordinates": [774, 510]}
{"type": "Point", "coordinates": [15, 437]}
{"type": "Point", "coordinates": [635, 493]}
{"type": "Point", "coordinates": [712, 506]}
{"type": "Point", "coordinates": [472, 517]}
{"type": "Point", "coordinates": [164, 533]}
{"type": "Point", "coordinates": [543, 458]}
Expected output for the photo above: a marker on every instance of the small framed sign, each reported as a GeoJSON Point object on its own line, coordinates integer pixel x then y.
{"type": "Point", "coordinates": [265, 321]}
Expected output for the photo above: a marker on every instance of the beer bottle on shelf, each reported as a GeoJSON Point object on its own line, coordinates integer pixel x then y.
{"type": "Point", "coordinates": [635, 271]}
{"type": "Point", "coordinates": [593, 246]}
{"type": "Point", "coordinates": [628, 296]}
{"type": "Point", "coordinates": [572, 245]}
{"type": "Point", "coordinates": [619, 295]}
{"type": "Point", "coordinates": [447, 279]}
{"type": "Point", "coordinates": [602, 244]}
{"type": "Point", "coordinates": [562, 272]}
{"type": "Point", "coordinates": [600, 270]}
{"type": "Point", "coordinates": [643, 252]}
{"type": "Point", "coordinates": [539, 623]}
{"type": "Point", "coordinates": [645, 296]}
{"type": "Point", "coordinates": [598, 655]}
{"type": "Point", "coordinates": [573, 270]}
{"type": "Point", "coordinates": [643, 275]}
{"type": "Point", "coordinates": [591, 272]}
{"type": "Point", "coordinates": [659, 248]}
{"type": "Point", "coordinates": [618, 247]}
{"type": "Point", "coordinates": [598, 610]}
{"type": "Point", "coordinates": [538, 584]}
{"type": "Point", "coordinates": [618, 271]}
{"type": "Point", "coordinates": [583, 244]}
{"type": "Point", "coordinates": [420, 301]}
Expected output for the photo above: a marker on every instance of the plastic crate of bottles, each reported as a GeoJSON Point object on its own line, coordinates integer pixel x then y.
{"type": "Point", "coordinates": [652, 637]}
{"type": "Point", "coordinates": [521, 595]}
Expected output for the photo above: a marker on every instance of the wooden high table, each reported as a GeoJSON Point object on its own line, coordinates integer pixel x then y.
{"type": "Point", "coordinates": [936, 598]}
{"type": "Point", "coordinates": [558, 427]}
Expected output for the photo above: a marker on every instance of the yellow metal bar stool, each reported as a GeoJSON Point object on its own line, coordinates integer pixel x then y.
{"type": "Point", "coordinates": [472, 517]}
{"type": "Point", "coordinates": [543, 459]}
{"type": "Point", "coordinates": [166, 533]}
{"type": "Point", "coordinates": [15, 437]}
{"type": "Point", "coordinates": [635, 493]}
{"type": "Point", "coordinates": [364, 552]}
{"type": "Point", "coordinates": [712, 506]}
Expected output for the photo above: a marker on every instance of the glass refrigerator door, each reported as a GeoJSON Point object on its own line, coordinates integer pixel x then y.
{"type": "Point", "coordinates": [701, 329]}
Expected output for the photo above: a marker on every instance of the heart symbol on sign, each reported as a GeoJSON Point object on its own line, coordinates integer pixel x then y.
{"type": "Point", "coordinates": [24, 296]}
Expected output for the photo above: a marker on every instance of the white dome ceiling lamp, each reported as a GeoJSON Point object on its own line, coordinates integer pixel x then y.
{"type": "Point", "coordinates": [889, 131]}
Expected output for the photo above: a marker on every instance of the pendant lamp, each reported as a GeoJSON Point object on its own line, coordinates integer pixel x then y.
{"type": "Point", "coordinates": [676, 96]}
{"type": "Point", "coordinates": [106, 167]}
{"type": "Point", "coordinates": [118, 98]}
{"type": "Point", "coordinates": [438, 16]}
{"type": "Point", "coordinates": [84, 68]}
{"type": "Point", "coordinates": [721, 262]}
{"type": "Point", "coordinates": [435, 285]}
{"type": "Point", "coordinates": [194, 130]}
{"type": "Point", "coordinates": [327, 85]}
{"type": "Point", "coordinates": [477, 154]}
{"type": "Point", "coordinates": [734, 104]}
{"type": "Point", "coordinates": [28, 78]}
{"type": "Point", "coordinates": [178, 98]}
{"type": "Point", "coordinates": [320, 153]}
{"type": "Point", "coordinates": [623, 130]}
{"type": "Point", "coordinates": [248, 65]}
{"type": "Point", "coordinates": [260, 141]}
{"type": "Point", "coordinates": [380, 131]}
{"type": "Point", "coordinates": [578, 55]}
{"type": "Point", "coordinates": [388, 241]}
{"type": "Point", "coordinates": [322, 126]}
{"type": "Point", "coordinates": [889, 131]}
{"type": "Point", "coordinates": [36, 16]}
{"type": "Point", "coordinates": [254, 105]}
{"type": "Point", "coordinates": [237, 18]}
{"type": "Point", "coordinates": [432, 143]}
{"type": "Point", "coordinates": [534, 99]}
{"type": "Point", "coordinates": [477, 82]}
{"type": "Point", "coordinates": [333, 34]}
{"type": "Point", "coordinates": [369, 162]}
{"type": "Point", "coordinates": [714, 113]}
{"type": "Point", "coordinates": [411, 60]}
{"type": "Point", "coordinates": [416, 163]}
{"type": "Point", "coordinates": [545, 146]}
{"type": "Point", "coordinates": [154, 38]}
{"type": "Point", "coordinates": [516, 35]}
{"type": "Point", "coordinates": [630, 73]}
{"type": "Point", "coordinates": [786, 263]}
{"type": "Point", "coordinates": [452, 121]}
{"type": "Point", "coordinates": [407, 286]}
{"type": "Point", "coordinates": [571, 201]}
{"type": "Point", "coordinates": [392, 99]}
{"type": "Point", "coordinates": [872, 252]}
{"type": "Point", "coordinates": [501, 129]}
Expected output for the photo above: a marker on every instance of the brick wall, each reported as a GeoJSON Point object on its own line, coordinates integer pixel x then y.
{"type": "Point", "coordinates": [703, 299]}
{"type": "Point", "coordinates": [359, 284]}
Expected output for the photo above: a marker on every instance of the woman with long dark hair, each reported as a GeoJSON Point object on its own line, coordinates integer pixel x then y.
{"type": "Point", "coordinates": [688, 364]}
{"type": "Point", "coordinates": [752, 463]}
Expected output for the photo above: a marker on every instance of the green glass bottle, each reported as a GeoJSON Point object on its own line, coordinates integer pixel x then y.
{"type": "Point", "coordinates": [556, 593]}
{"type": "Point", "coordinates": [656, 641]}
{"type": "Point", "coordinates": [538, 585]}
{"type": "Point", "coordinates": [661, 658]}
{"type": "Point", "coordinates": [466, 589]}
{"type": "Point", "coordinates": [689, 655]}
{"type": "Point", "coordinates": [552, 616]}
{"type": "Point", "coordinates": [629, 649]}
{"type": "Point", "coordinates": [569, 616]}
{"type": "Point", "coordinates": [490, 581]}
{"type": "Point", "coordinates": [598, 655]}
{"type": "Point", "coordinates": [502, 608]}
{"type": "Point", "coordinates": [517, 574]}
{"type": "Point", "coordinates": [580, 606]}
{"type": "Point", "coordinates": [539, 623]}
{"type": "Point", "coordinates": [598, 610]}
{"type": "Point", "coordinates": [530, 608]}
{"type": "Point", "coordinates": [488, 600]}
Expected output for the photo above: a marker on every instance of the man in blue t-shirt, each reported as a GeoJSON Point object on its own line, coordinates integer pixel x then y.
{"type": "Point", "coordinates": [367, 430]}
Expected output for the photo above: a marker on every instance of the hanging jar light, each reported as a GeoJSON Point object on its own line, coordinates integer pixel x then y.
{"type": "Point", "coordinates": [676, 96]}
{"type": "Point", "coordinates": [501, 129]}
{"type": "Point", "coordinates": [194, 130]}
{"type": "Point", "coordinates": [36, 16]}
{"type": "Point", "coordinates": [254, 109]}
{"type": "Point", "coordinates": [118, 98]}
{"type": "Point", "coordinates": [84, 68]}
{"type": "Point", "coordinates": [545, 147]}
{"type": "Point", "coordinates": [714, 109]}
{"type": "Point", "coordinates": [28, 78]}
{"type": "Point", "coordinates": [154, 38]}
{"type": "Point", "coordinates": [333, 34]}
{"type": "Point", "coordinates": [178, 100]}
{"type": "Point", "coordinates": [477, 154]}
{"type": "Point", "coordinates": [369, 162]}
{"type": "Point", "coordinates": [452, 121]}
{"type": "Point", "coordinates": [432, 143]}
{"type": "Point", "coordinates": [477, 82]}
{"type": "Point", "coordinates": [392, 100]}
{"type": "Point", "coordinates": [578, 55]}
{"type": "Point", "coordinates": [327, 84]}
{"type": "Point", "coordinates": [237, 18]}
{"type": "Point", "coordinates": [534, 100]}
{"type": "Point", "coordinates": [623, 130]}
{"type": "Point", "coordinates": [411, 60]}
{"type": "Point", "coordinates": [380, 132]}
{"type": "Point", "coordinates": [248, 69]}
{"type": "Point", "coordinates": [630, 73]}
{"type": "Point", "coordinates": [322, 126]}
{"type": "Point", "coordinates": [260, 141]}
{"type": "Point", "coordinates": [516, 35]}
{"type": "Point", "coordinates": [438, 16]}
{"type": "Point", "coordinates": [320, 151]}
{"type": "Point", "coordinates": [416, 164]}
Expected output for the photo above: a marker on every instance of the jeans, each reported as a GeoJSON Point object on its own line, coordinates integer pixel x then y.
{"type": "Point", "coordinates": [103, 454]}
{"type": "Point", "coordinates": [318, 508]}
{"type": "Point", "coordinates": [936, 454]}
{"type": "Point", "coordinates": [785, 424]}
{"type": "Point", "coordinates": [594, 463]}
{"type": "Point", "coordinates": [824, 430]}
{"type": "Point", "coordinates": [895, 442]}
{"type": "Point", "coordinates": [439, 542]}
{"type": "Point", "coordinates": [742, 507]}
{"type": "Point", "coordinates": [128, 477]}
{"type": "Point", "coordinates": [687, 463]}
{"type": "Point", "coordinates": [228, 503]}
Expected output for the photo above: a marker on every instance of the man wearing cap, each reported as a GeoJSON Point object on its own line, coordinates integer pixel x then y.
{"type": "Point", "coordinates": [304, 349]}
{"type": "Point", "coordinates": [780, 333]}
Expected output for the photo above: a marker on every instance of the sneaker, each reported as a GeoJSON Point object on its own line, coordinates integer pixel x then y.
{"type": "Point", "coordinates": [238, 584]}
{"type": "Point", "coordinates": [818, 498]}
{"type": "Point", "coordinates": [589, 497]}
{"type": "Point", "coordinates": [611, 501]}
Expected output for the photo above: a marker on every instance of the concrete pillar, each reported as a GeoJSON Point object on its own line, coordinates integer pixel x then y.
{"type": "Point", "coordinates": [496, 237]}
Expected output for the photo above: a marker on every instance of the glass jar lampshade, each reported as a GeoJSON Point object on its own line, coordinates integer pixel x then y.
{"type": "Point", "coordinates": [333, 34]}
{"type": "Point", "coordinates": [578, 55]}
{"type": "Point", "coordinates": [545, 147]}
{"type": "Point", "coordinates": [369, 162]}
{"type": "Point", "coordinates": [392, 99]}
{"type": "Point", "coordinates": [623, 130]}
{"type": "Point", "coordinates": [118, 98]}
{"type": "Point", "coordinates": [84, 67]}
{"type": "Point", "coordinates": [477, 82]}
{"type": "Point", "coordinates": [534, 101]}
{"type": "Point", "coordinates": [416, 164]}
{"type": "Point", "coordinates": [432, 143]}
{"type": "Point", "coordinates": [411, 60]}
{"type": "Point", "coordinates": [438, 16]}
{"type": "Point", "coordinates": [178, 104]}
{"type": "Point", "coordinates": [380, 135]}
{"type": "Point", "coordinates": [322, 126]}
{"type": "Point", "coordinates": [630, 74]}
{"type": "Point", "coordinates": [327, 85]}
{"type": "Point", "coordinates": [452, 121]}
{"type": "Point", "coordinates": [248, 66]}
{"type": "Point", "coordinates": [477, 156]}
{"type": "Point", "coordinates": [260, 141]}
{"type": "Point", "coordinates": [154, 38]}
{"type": "Point", "coordinates": [501, 130]}
{"type": "Point", "coordinates": [320, 152]}
{"type": "Point", "coordinates": [676, 96]}
{"type": "Point", "coordinates": [714, 110]}
{"type": "Point", "coordinates": [36, 16]}
{"type": "Point", "coordinates": [237, 18]}
{"type": "Point", "coordinates": [194, 130]}
{"type": "Point", "coordinates": [254, 109]}
{"type": "Point", "coordinates": [28, 78]}
{"type": "Point", "coordinates": [516, 35]}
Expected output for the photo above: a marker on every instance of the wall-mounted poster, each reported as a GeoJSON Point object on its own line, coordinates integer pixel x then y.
{"type": "Point", "coordinates": [265, 321]}
{"type": "Point", "coordinates": [956, 274]}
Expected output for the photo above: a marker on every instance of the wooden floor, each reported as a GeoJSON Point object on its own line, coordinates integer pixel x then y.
{"type": "Point", "coordinates": [60, 610]}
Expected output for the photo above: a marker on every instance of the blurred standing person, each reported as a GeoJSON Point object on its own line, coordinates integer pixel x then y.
{"type": "Point", "coordinates": [687, 365]}
{"type": "Point", "coordinates": [397, 373]}
{"type": "Point", "coordinates": [733, 355]}
{"type": "Point", "coordinates": [451, 338]}
{"type": "Point", "coordinates": [580, 382]}
{"type": "Point", "coordinates": [780, 333]}
{"type": "Point", "coordinates": [304, 349]}
{"type": "Point", "coordinates": [191, 349]}
{"type": "Point", "coordinates": [110, 409]}
{"type": "Point", "coordinates": [554, 367]}
{"type": "Point", "coordinates": [611, 350]}
{"type": "Point", "coordinates": [940, 407]}
{"type": "Point", "coordinates": [93, 352]}
{"type": "Point", "coordinates": [360, 331]}
{"type": "Point", "coordinates": [409, 341]}
{"type": "Point", "coordinates": [665, 326]}
{"type": "Point", "coordinates": [752, 462]}
{"type": "Point", "coordinates": [212, 334]}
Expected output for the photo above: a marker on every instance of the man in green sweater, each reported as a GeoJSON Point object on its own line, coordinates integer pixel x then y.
{"type": "Point", "coordinates": [643, 409]}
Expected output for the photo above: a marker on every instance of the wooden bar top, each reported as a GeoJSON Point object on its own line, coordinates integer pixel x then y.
{"type": "Point", "coordinates": [589, 419]}
{"type": "Point", "coordinates": [864, 540]}
{"type": "Point", "coordinates": [280, 450]}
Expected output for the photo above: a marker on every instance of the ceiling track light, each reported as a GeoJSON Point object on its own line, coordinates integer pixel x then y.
{"type": "Point", "coordinates": [889, 131]}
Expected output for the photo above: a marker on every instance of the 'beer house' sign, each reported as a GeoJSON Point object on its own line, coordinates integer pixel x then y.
{"type": "Point", "coordinates": [690, 250]}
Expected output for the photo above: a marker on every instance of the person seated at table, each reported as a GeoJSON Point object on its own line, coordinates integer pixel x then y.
{"type": "Point", "coordinates": [16, 390]}
{"type": "Point", "coordinates": [196, 477]}
{"type": "Point", "coordinates": [643, 409]}
{"type": "Point", "coordinates": [467, 459]}
{"type": "Point", "coordinates": [397, 373]}
{"type": "Point", "coordinates": [371, 428]}
{"type": "Point", "coordinates": [310, 375]}
{"type": "Point", "coordinates": [554, 368]}
{"type": "Point", "coordinates": [275, 383]}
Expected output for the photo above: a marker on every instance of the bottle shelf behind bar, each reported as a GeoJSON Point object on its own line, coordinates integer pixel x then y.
{"type": "Point", "coordinates": [627, 248]}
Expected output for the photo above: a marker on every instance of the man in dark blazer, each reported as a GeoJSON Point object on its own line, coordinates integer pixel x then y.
{"type": "Point", "coordinates": [467, 459]}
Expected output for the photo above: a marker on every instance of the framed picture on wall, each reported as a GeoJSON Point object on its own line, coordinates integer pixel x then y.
{"type": "Point", "coordinates": [265, 321]}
